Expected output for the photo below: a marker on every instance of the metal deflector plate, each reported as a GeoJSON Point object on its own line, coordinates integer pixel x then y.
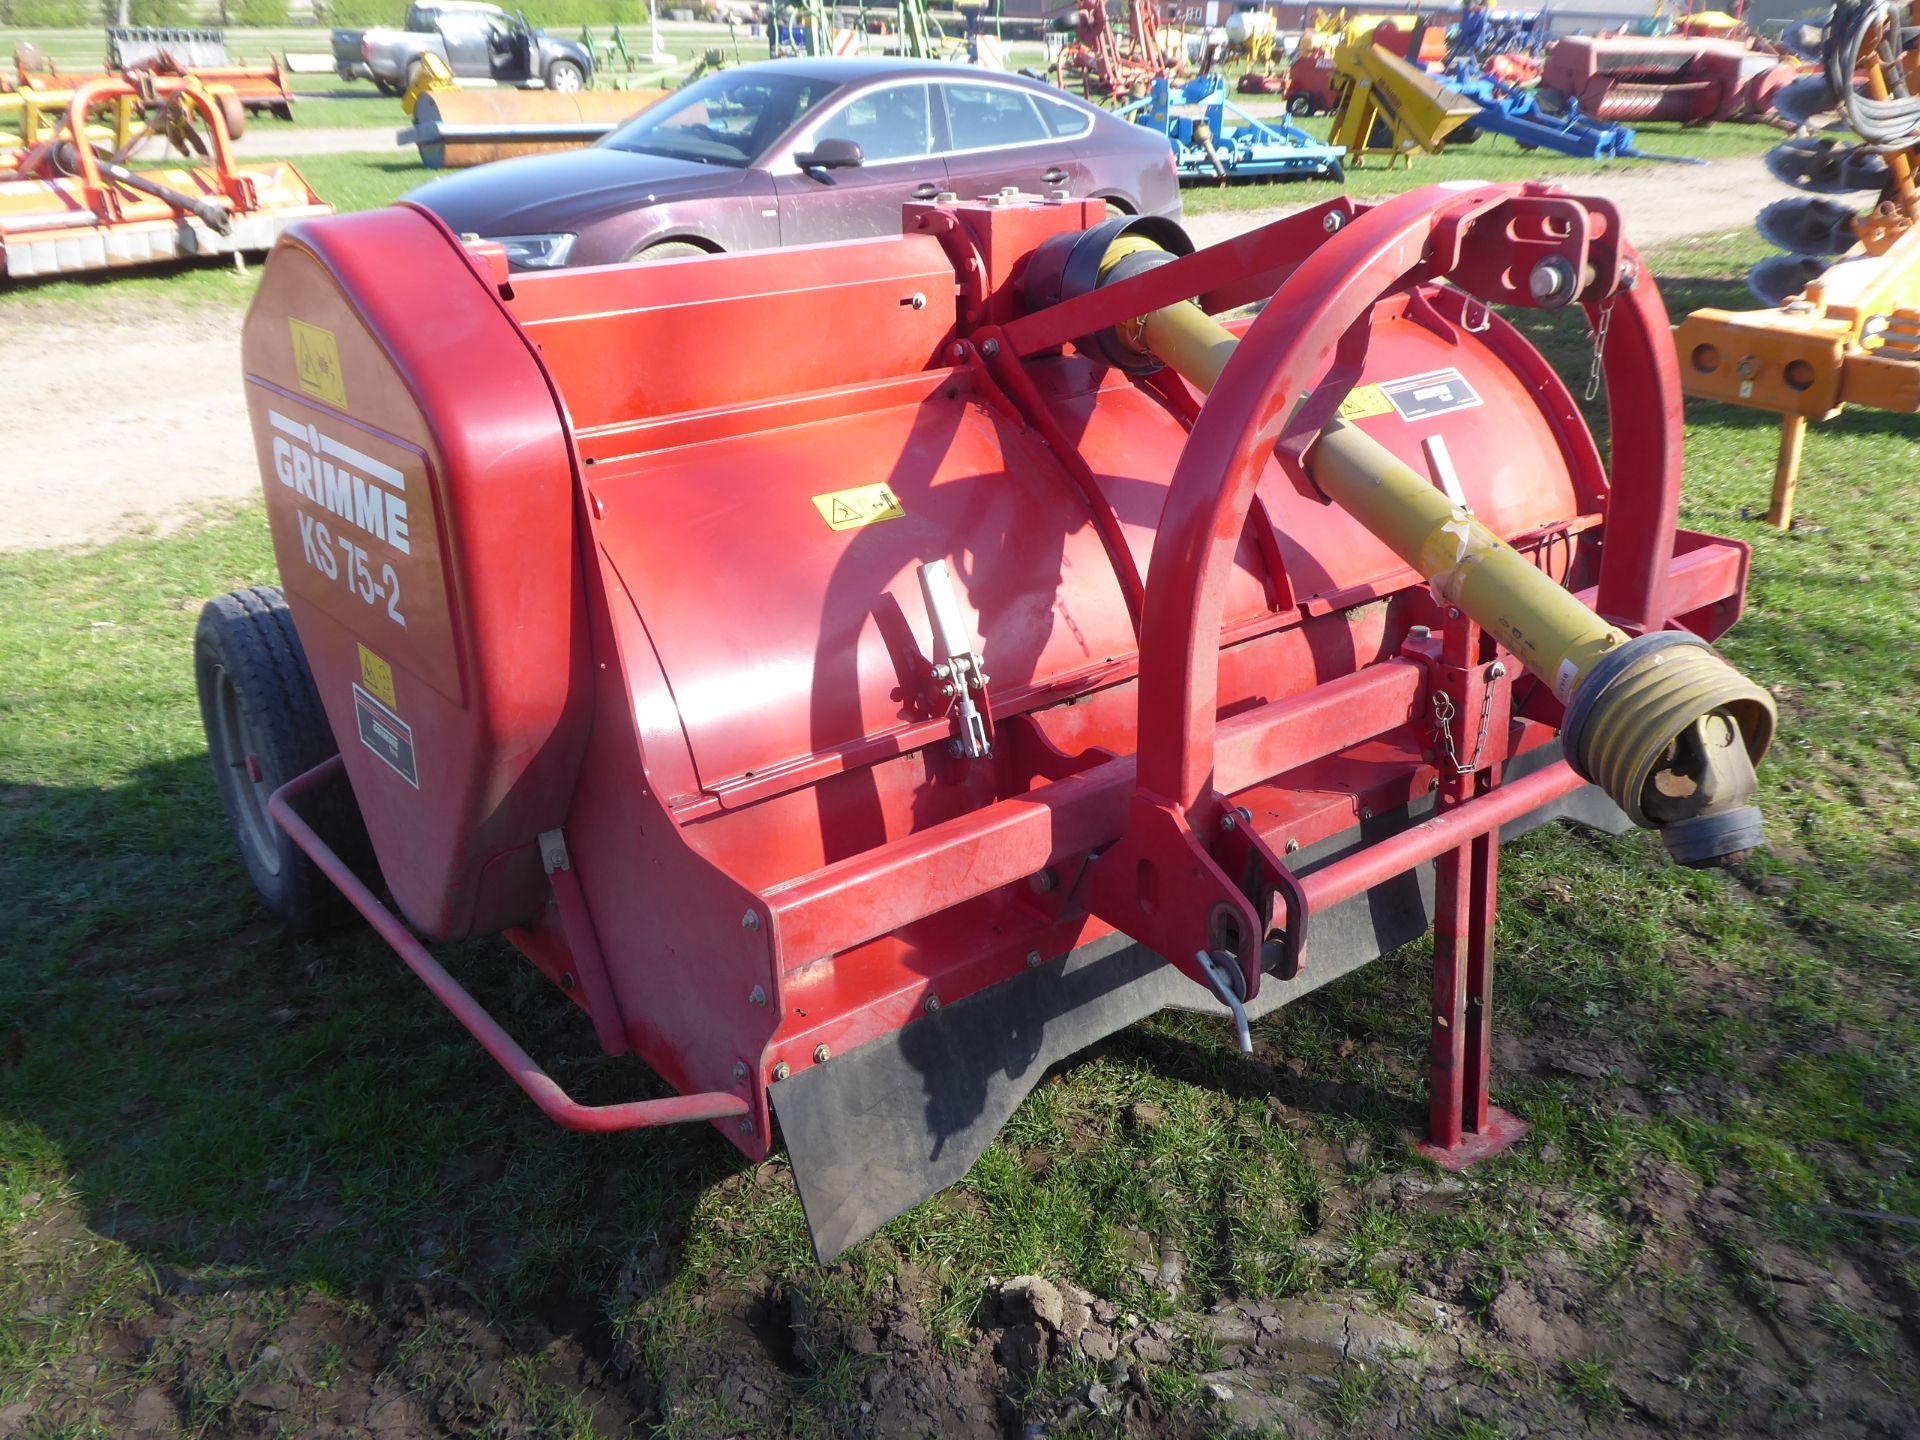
{"type": "Point", "coordinates": [884, 1127]}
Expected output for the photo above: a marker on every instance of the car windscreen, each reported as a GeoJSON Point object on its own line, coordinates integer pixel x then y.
{"type": "Point", "coordinates": [727, 119]}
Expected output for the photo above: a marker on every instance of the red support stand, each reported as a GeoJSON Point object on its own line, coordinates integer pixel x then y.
{"type": "Point", "coordinates": [1462, 1126]}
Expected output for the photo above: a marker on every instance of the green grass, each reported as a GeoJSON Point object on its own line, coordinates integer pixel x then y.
{"type": "Point", "coordinates": [282, 1117]}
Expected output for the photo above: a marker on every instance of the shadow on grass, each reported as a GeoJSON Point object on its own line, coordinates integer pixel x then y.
{"type": "Point", "coordinates": [267, 1112]}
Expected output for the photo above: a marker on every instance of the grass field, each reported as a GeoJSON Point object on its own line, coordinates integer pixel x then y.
{"type": "Point", "coordinates": [246, 1182]}
{"type": "Point", "coordinates": [363, 181]}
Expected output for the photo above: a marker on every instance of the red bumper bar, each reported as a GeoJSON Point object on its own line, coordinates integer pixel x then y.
{"type": "Point", "coordinates": [545, 1091]}
{"type": "Point", "coordinates": [1435, 836]}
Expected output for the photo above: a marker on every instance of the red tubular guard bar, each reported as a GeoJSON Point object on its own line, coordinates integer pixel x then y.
{"type": "Point", "coordinates": [545, 1091]}
{"type": "Point", "coordinates": [1278, 361]}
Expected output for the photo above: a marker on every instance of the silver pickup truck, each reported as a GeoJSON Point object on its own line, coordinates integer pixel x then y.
{"type": "Point", "coordinates": [478, 42]}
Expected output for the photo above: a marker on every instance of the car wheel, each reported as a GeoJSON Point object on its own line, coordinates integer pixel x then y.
{"type": "Point", "coordinates": [1301, 105]}
{"type": "Point", "coordinates": [566, 77]}
{"type": "Point", "coordinates": [387, 87]}
{"type": "Point", "coordinates": [1116, 210]}
{"type": "Point", "coordinates": [669, 250]}
{"type": "Point", "coordinates": [265, 725]}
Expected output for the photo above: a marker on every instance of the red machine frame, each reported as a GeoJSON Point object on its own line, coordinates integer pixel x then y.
{"type": "Point", "coordinates": [1174, 807]}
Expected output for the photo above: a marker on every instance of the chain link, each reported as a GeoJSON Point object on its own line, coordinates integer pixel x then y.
{"type": "Point", "coordinates": [1444, 712]}
{"type": "Point", "coordinates": [1599, 349]}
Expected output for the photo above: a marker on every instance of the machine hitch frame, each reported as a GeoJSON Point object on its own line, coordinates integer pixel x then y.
{"type": "Point", "coordinates": [1094, 833]}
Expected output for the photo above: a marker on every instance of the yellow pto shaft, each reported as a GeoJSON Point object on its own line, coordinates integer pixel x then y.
{"type": "Point", "coordinates": [1661, 723]}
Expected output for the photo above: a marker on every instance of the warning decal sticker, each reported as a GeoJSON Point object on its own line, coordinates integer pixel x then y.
{"type": "Point", "coordinates": [1363, 402]}
{"type": "Point", "coordinates": [317, 359]}
{"type": "Point", "coordinates": [386, 735]}
{"type": "Point", "coordinates": [377, 676]}
{"type": "Point", "coordinates": [862, 505]}
{"type": "Point", "coordinates": [1422, 397]}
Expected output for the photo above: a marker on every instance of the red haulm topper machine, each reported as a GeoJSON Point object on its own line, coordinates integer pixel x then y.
{"type": "Point", "coordinates": [861, 676]}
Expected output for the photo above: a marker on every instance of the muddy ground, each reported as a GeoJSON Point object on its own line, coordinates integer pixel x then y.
{"type": "Point", "coordinates": [1661, 1308]}
{"type": "Point", "coordinates": [1712, 1329]}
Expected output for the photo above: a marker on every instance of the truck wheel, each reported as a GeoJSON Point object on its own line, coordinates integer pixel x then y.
{"type": "Point", "coordinates": [387, 87]}
{"type": "Point", "coordinates": [566, 77]}
{"type": "Point", "coordinates": [265, 725]}
{"type": "Point", "coordinates": [1301, 105]}
{"type": "Point", "coordinates": [414, 67]}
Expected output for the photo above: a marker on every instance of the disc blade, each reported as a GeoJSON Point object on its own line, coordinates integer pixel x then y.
{"type": "Point", "coordinates": [1803, 99]}
{"type": "Point", "coordinates": [1822, 165]}
{"type": "Point", "coordinates": [1808, 225]}
{"type": "Point", "coordinates": [1779, 278]}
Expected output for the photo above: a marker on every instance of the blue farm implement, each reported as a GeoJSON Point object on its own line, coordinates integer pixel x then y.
{"type": "Point", "coordinates": [1518, 114]}
{"type": "Point", "coordinates": [1214, 139]}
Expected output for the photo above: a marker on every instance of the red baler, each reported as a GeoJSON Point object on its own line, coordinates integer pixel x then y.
{"type": "Point", "coordinates": [860, 676]}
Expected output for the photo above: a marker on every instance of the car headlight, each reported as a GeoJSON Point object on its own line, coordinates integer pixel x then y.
{"type": "Point", "coordinates": [536, 252]}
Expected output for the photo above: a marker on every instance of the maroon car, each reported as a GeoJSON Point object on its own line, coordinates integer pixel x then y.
{"type": "Point", "coordinates": [791, 152]}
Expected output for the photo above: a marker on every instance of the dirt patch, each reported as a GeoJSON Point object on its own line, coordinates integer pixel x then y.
{"type": "Point", "coordinates": [123, 424]}
{"type": "Point", "coordinates": [1660, 202]}
{"type": "Point", "coordinates": [279, 143]}
{"type": "Point", "coordinates": [133, 423]}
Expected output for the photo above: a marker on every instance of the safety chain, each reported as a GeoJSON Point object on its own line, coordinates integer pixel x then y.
{"type": "Point", "coordinates": [1599, 349]}
{"type": "Point", "coordinates": [1443, 716]}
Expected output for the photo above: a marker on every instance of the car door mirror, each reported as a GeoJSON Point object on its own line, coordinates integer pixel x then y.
{"type": "Point", "coordinates": [830, 155]}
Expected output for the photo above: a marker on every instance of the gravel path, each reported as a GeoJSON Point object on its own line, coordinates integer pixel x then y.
{"type": "Point", "coordinates": [1660, 202]}
{"type": "Point", "coordinates": [164, 384]}
{"type": "Point", "coordinates": [282, 141]}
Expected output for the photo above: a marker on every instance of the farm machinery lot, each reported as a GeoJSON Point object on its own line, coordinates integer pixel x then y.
{"type": "Point", "coordinates": [250, 1186]}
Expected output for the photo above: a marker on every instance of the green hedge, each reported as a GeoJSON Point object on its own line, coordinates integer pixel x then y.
{"type": "Point", "coordinates": [556, 15]}
{"type": "Point", "coordinates": [561, 16]}
{"type": "Point", "coordinates": [161, 12]}
{"type": "Point", "coordinates": [49, 14]}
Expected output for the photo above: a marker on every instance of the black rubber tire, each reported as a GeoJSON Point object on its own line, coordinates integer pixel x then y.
{"type": "Point", "coordinates": [669, 250]}
{"type": "Point", "coordinates": [1301, 105]}
{"type": "Point", "coordinates": [414, 67]}
{"type": "Point", "coordinates": [387, 87]}
{"type": "Point", "coordinates": [258, 699]}
{"type": "Point", "coordinates": [567, 68]}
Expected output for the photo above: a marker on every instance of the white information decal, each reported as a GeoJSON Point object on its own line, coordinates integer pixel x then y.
{"type": "Point", "coordinates": [358, 502]}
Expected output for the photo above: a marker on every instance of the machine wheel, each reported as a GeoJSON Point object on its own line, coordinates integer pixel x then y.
{"type": "Point", "coordinates": [1337, 173]}
{"type": "Point", "coordinates": [1465, 135]}
{"type": "Point", "coordinates": [265, 725]}
{"type": "Point", "coordinates": [669, 250]}
{"type": "Point", "coordinates": [566, 77]}
{"type": "Point", "coordinates": [1301, 105]}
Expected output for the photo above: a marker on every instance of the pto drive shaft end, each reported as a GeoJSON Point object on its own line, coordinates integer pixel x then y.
{"type": "Point", "coordinates": [1672, 733]}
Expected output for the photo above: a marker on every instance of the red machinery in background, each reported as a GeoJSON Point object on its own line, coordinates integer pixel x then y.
{"type": "Point", "coordinates": [862, 675]}
{"type": "Point", "coordinates": [72, 201]}
{"type": "Point", "coordinates": [202, 54]}
{"type": "Point", "coordinates": [1108, 63]}
{"type": "Point", "coordinates": [1635, 78]}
